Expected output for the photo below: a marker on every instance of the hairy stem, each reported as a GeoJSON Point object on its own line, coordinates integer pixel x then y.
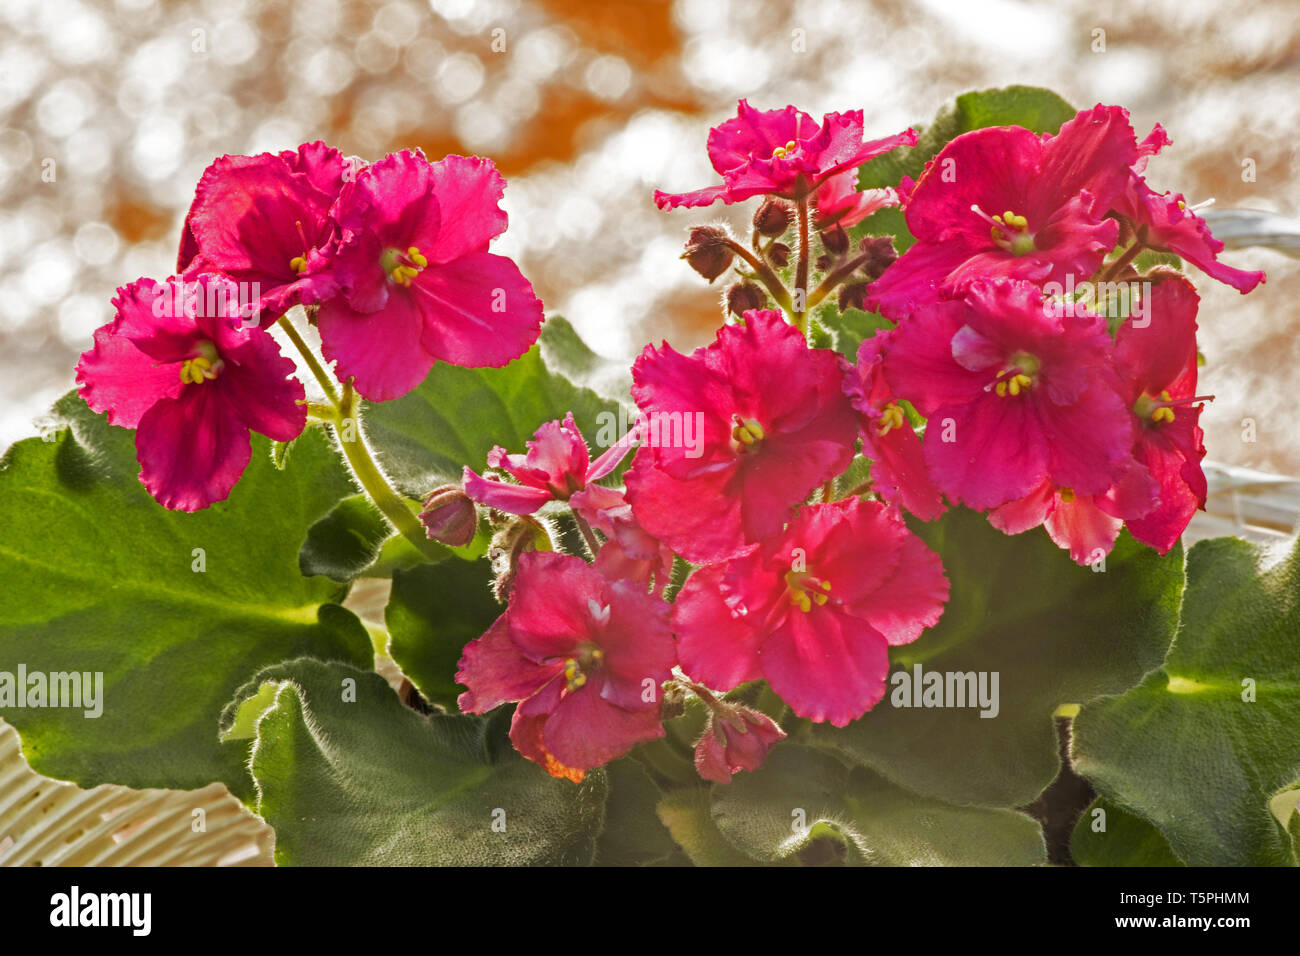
{"type": "Point", "coordinates": [800, 314]}
{"type": "Point", "coordinates": [588, 535]}
{"type": "Point", "coordinates": [1123, 262]}
{"type": "Point", "coordinates": [763, 272]}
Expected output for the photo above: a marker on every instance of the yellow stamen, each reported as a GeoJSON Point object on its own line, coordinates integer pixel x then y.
{"type": "Point", "coordinates": [1164, 413]}
{"type": "Point", "coordinates": [402, 268]}
{"type": "Point", "coordinates": [891, 417]}
{"type": "Point", "coordinates": [298, 264]}
{"type": "Point", "coordinates": [1020, 382]}
{"type": "Point", "coordinates": [746, 433]}
{"type": "Point", "coordinates": [797, 584]}
{"type": "Point", "coordinates": [1067, 495]}
{"type": "Point", "coordinates": [203, 367]}
{"type": "Point", "coordinates": [573, 674]}
{"type": "Point", "coordinates": [782, 151]}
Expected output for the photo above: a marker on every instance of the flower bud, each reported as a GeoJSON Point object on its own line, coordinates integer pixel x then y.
{"type": "Point", "coordinates": [707, 251]}
{"type": "Point", "coordinates": [517, 536]}
{"type": "Point", "coordinates": [852, 295]}
{"type": "Point", "coordinates": [449, 516]}
{"type": "Point", "coordinates": [779, 255]}
{"type": "Point", "coordinates": [773, 217]}
{"type": "Point", "coordinates": [735, 738]}
{"type": "Point", "coordinates": [673, 700]}
{"type": "Point", "coordinates": [880, 255]}
{"type": "Point", "coordinates": [835, 240]}
{"type": "Point", "coordinates": [744, 296]}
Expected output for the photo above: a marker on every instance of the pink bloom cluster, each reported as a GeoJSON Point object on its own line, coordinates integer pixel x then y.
{"type": "Point", "coordinates": [1037, 409]}
{"type": "Point", "coordinates": [1036, 412]}
{"type": "Point", "coordinates": [390, 258]}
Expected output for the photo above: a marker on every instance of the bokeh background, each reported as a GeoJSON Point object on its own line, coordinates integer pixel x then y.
{"type": "Point", "coordinates": [587, 107]}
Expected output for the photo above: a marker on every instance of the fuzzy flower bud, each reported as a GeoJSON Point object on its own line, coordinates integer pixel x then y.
{"type": "Point", "coordinates": [773, 217]}
{"type": "Point", "coordinates": [707, 251]}
{"type": "Point", "coordinates": [744, 296]}
{"type": "Point", "coordinates": [449, 516]}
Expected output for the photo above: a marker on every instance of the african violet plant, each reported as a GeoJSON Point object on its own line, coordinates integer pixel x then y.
{"type": "Point", "coordinates": [824, 593]}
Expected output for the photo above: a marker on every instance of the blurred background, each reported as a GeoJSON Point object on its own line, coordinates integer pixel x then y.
{"type": "Point", "coordinates": [110, 110]}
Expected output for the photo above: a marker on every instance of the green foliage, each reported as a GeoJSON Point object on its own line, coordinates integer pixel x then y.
{"type": "Point", "coordinates": [175, 609]}
{"type": "Point", "coordinates": [1055, 633]}
{"type": "Point", "coordinates": [1205, 743]}
{"type": "Point", "coordinates": [348, 776]}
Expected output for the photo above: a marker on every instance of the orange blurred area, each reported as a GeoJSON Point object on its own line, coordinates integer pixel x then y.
{"type": "Point", "coordinates": [587, 106]}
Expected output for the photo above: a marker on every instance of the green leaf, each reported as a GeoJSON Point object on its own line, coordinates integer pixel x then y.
{"type": "Point", "coordinates": [432, 613]}
{"type": "Point", "coordinates": [1188, 750]}
{"type": "Point", "coordinates": [1127, 840]}
{"type": "Point", "coordinates": [348, 776]}
{"type": "Point", "coordinates": [852, 327]}
{"type": "Point", "coordinates": [348, 541]}
{"type": "Point", "coordinates": [1054, 632]}
{"type": "Point", "coordinates": [455, 417]}
{"type": "Point", "coordinates": [800, 796]}
{"type": "Point", "coordinates": [567, 355]}
{"type": "Point", "coordinates": [633, 834]}
{"type": "Point", "coordinates": [175, 609]}
{"type": "Point", "coordinates": [688, 815]}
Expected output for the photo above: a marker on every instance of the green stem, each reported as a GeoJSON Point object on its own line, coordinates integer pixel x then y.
{"type": "Point", "coordinates": [346, 422]}
{"type": "Point", "coordinates": [322, 377]}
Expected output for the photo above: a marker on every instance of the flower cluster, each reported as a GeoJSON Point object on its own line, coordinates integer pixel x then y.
{"type": "Point", "coordinates": [1057, 381]}
{"type": "Point", "coordinates": [390, 261]}
{"type": "Point", "coordinates": [1027, 368]}
{"type": "Point", "coordinates": [808, 597]}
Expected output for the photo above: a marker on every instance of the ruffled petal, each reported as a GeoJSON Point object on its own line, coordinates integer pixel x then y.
{"type": "Point", "coordinates": [192, 449]}
{"type": "Point", "coordinates": [478, 311]}
{"type": "Point", "coordinates": [826, 665]}
{"type": "Point", "coordinates": [380, 351]}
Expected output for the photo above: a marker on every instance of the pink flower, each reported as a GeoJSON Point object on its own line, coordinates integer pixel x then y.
{"type": "Point", "coordinates": [782, 152]}
{"type": "Point", "coordinates": [897, 462]}
{"type": "Point", "coordinates": [176, 365]}
{"type": "Point", "coordinates": [773, 424]}
{"type": "Point", "coordinates": [556, 465]}
{"type": "Point", "coordinates": [838, 201]}
{"type": "Point", "coordinates": [265, 219]}
{"type": "Point", "coordinates": [1157, 365]}
{"type": "Point", "coordinates": [1164, 222]}
{"type": "Point", "coordinates": [1005, 202]}
{"type": "Point", "coordinates": [736, 738]}
{"type": "Point", "coordinates": [418, 284]}
{"type": "Point", "coordinates": [629, 552]}
{"type": "Point", "coordinates": [813, 610]}
{"type": "Point", "coordinates": [1012, 395]}
{"type": "Point", "coordinates": [1085, 525]}
{"type": "Point", "coordinates": [585, 656]}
